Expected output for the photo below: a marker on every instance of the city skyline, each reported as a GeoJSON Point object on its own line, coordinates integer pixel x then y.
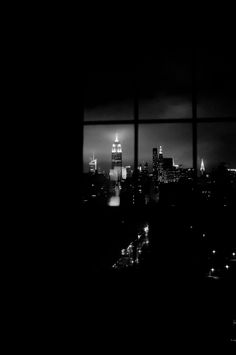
{"type": "Point", "coordinates": [215, 145]}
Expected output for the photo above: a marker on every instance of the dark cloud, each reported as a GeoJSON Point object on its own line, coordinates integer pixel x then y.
{"type": "Point", "coordinates": [166, 106]}
{"type": "Point", "coordinates": [123, 110]}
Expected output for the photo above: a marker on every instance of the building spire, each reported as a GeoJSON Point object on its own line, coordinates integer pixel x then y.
{"type": "Point", "coordinates": [116, 140]}
{"type": "Point", "coordinates": [160, 150]}
{"type": "Point", "coordinates": [202, 168]}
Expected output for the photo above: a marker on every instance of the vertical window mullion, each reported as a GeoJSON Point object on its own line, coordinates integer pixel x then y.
{"type": "Point", "coordinates": [136, 117]}
{"type": "Point", "coordinates": [194, 113]}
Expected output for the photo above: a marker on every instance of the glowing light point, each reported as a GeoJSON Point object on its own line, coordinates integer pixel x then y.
{"type": "Point", "coordinates": [213, 251]}
{"type": "Point", "coordinates": [233, 254]}
{"type": "Point", "coordinates": [146, 229]}
{"type": "Point", "coordinates": [160, 150]}
{"type": "Point", "coordinates": [116, 140]}
{"type": "Point", "coordinates": [227, 267]}
{"type": "Point", "coordinates": [212, 269]}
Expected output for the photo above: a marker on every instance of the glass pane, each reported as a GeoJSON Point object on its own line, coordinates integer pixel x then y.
{"type": "Point", "coordinates": [109, 96]}
{"type": "Point", "coordinates": [165, 162]}
{"type": "Point", "coordinates": [217, 163]}
{"type": "Point", "coordinates": [216, 82]}
{"type": "Point", "coordinates": [108, 160]}
{"type": "Point", "coordinates": [217, 145]}
{"type": "Point", "coordinates": [165, 84]}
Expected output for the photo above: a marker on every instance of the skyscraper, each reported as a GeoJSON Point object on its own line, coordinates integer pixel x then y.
{"type": "Point", "coordinates": [145, 169]}
{"type": "Point", "coordinates": [202, 168]}
{"type": "Point", "coordinates": [116, 157]}
{"type": "Point", "coordinates": [163, 168]}
{"type": "Point", "coordinates": [154, 163]}
{"type": "Point", "coordinates": [93, 165]}
{"type": "Point", "coordinates": [160, 166]}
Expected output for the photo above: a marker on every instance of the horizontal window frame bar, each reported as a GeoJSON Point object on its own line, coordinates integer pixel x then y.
{"type": "Point", "coordinates": [160, 120]}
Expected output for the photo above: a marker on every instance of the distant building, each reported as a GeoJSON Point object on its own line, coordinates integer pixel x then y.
{"type": "Point", "coordinates": [154, 163]}
{"type": "Point", "coordinates": [116, 158]}
{"type": "Point", "coordinates": [145, 169]}
{"type": "Point", "coordinates": [93, 165]}
{"type": "Point", "coordinates": [124, 173]}
{"type": "Point", "coordinates": [163, 168]}
{"type": "Point", "coordinates": [202, 167]}
{"type": "Point", "coordinates": [128, 171]}
{"type": "Point", "coordinates": [113, 174]}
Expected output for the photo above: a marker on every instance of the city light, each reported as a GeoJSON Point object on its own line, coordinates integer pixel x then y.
{"type": "Point", "coordinates": [114, 201]}
{"type": "Point", "coordinates": [213, 251]}
{"type": "Point", "coordinates": [227, 266]}
{"type": "Point", "coordinates": [233, 254]}
{"type": "Point", "coordinates": [212, 269]}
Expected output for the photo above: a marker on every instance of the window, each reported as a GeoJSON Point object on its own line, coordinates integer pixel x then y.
{"type": "Point", "coordinates": [159, 176]}
{"type": "Point", "coordinates": [178, 99]}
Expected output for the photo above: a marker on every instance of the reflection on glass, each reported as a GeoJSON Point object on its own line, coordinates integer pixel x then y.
{"type": "Point", "coordinates": [108, 157]}
{"type": "Point", "coordinates": [108, 96]}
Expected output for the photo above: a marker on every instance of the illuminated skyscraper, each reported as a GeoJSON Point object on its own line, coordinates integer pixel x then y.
{"type": "Point", "coordinates": [160, 153]}
{"type": "Point", "coordinates": [116, 157]}
{"type": "Point", "coordinates": [202, 168]}
{"type": "Point", "coordinates": [93, 165]}
{"type": "Point", "coordinates": [163, 168]}
{"type": "Point", "coordinates": [160, 165]}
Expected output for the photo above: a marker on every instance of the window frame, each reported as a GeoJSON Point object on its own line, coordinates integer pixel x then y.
{"type": "Point", "coordinates": [194, 120]}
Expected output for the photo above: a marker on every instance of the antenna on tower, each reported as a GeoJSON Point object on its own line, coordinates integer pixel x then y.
{"type": "Point", "coordinates": [116, 140]}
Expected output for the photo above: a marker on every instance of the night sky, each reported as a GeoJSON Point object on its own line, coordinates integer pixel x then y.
{"type": "Point", "coordinates": [165, 84]}
{"type": "Point", "coordinates": [175, 140]}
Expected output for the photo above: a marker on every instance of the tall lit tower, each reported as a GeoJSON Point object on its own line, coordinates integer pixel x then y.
{"type": "Point", "coordinates": [160, 153]}
{"type": "Point", "coordinates": [116, 157]}
{"type": "Point", "coordinates": [160, 165]}
{"type": "Point", "coordinates": [202, 168]}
